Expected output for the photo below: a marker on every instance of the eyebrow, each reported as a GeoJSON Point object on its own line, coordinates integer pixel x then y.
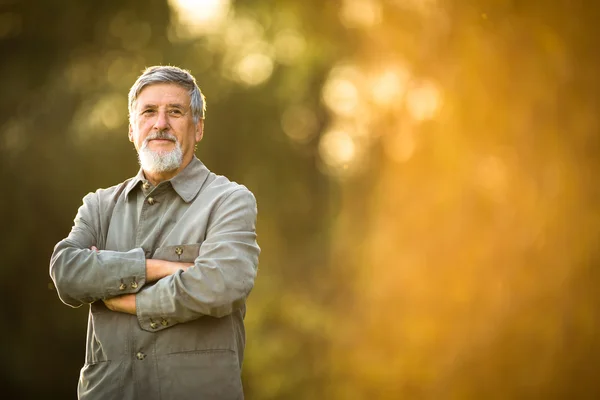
{"type": "Point", "coordinates": [170, 105]}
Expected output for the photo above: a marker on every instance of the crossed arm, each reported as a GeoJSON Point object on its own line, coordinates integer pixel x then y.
{"type": "Point", "coordinates": [155, 270]}
{"type": "Point", "coordinates": [217, 283]}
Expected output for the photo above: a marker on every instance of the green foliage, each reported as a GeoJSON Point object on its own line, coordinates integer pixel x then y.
{"type": "Point", "coordinates": [434, 237]}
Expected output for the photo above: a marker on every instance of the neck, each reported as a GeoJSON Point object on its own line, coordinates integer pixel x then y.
{"type": "Point", "coordinates": [157, 177]}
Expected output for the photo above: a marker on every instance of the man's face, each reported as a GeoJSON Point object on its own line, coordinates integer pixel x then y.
{"type": "Point", "coordinates": [162, 121]}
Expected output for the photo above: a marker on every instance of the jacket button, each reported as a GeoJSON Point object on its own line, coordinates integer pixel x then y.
{"type": "Point", "coordinates": [153, 325]}
{"type": "Point", "coordinates": [134, 285]}
{"type": "Point", "coordinates": [122, 286]}
{"type": "Point", "coordinates": [164, 322]}
{"type": "Point", "coordinates": [140, 355]}
{"type": "Point", "coordinates": [146, 186]}
{"type": "Point", "coordinates": [151, 200]}
{"type": "Point", "coordinates": [178, 250]}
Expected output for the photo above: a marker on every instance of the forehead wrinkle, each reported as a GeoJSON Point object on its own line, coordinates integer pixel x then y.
{"type": "Point", "coordinates": [152, 105]}
{"type": "Point", "coordinates": [175, 105]}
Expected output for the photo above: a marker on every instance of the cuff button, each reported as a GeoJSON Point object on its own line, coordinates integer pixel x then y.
{"type": "Point", "coordinates": [134, 285]}
{"type": "Point", "coordinates": [153, 325]}
{"type": "Point", "coordinates": [122, 286]}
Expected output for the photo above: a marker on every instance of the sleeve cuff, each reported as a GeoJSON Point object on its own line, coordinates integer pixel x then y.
{"type": "Point", "coordinates": [131, 274]}
{"type": "Point", "coordinates": [148, 314]}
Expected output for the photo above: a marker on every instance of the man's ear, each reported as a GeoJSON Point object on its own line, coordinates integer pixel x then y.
{"type": "Point", "coordinates": [130, 133]}
{"type": "Point", "coordinates": [199, 130]}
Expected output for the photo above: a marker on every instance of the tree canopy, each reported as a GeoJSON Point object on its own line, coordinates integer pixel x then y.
{"type": "Point", "coordinates": [429, 212]}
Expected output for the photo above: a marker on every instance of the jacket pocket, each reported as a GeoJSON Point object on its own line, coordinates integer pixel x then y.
{"type": "Point", "coordinates": [180, 253]}
{"type": "Point", "coordinates": [209, 374]}
{"type": "Point", "coordinates": [202, 334]}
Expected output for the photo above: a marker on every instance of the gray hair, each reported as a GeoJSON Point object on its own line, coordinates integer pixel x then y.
{"type": "Point", "coordinates": [168, 74]}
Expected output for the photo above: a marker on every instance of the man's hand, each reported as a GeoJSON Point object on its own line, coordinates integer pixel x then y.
{"type": "Point", "coordinates": [158, 269]}
{"type": "Point", "coordinates": [124, 304]}
{"type": "Point", "coordinates": [155, 270]}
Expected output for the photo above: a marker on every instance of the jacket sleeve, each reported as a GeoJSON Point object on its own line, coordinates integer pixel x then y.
{"type": "Point", "coordinates": [81, 275]}
{"type": "Point", "coordinates": [222, 276]}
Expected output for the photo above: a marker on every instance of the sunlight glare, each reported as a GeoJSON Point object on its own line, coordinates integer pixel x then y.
{"type": "Point", "coordinates": [200, 16]}
{"type": "Point", "coordinates": [340, 92]}
{"type": "Point", "coordinates": [422, 6]}
{"type": "Point", "coordinates": [254, 69]}
{"type": "Point", "coordinates": [423, 101]}
{"type": "Point", "coordinates": [337, 149]}
{"type": "Point", "coordinates": [388, 87]}
{"type": "Point", "coordinates": [360, 13]}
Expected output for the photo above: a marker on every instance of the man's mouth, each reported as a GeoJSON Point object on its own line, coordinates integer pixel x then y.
{"type": "Point", "coordinates": [162, 140]}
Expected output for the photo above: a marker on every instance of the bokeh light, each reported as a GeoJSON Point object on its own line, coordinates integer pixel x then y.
{"type": "Point", "coordinates": [425, 173]}
{"type": "Point", "coordinates": [338, 150]}
{"type": "Point", "coordinates": [360, 13]}
{"type": "Point", "coordinates": [340, 92]}
{"type": "Point", "coordinates": [255, 68]}
{"type": "Point", "coordinates": [423, 101]}
{"type": "Point", "coordinates": [200, 16]}
{"type": "Point", "coordinates": [388, 87]}
{"type": "Point", "coordinates": [289, 46]}
{"type": "Point", "coordinates": [299, 123]}
{"type": "Point", "coordinates": [421, 6]}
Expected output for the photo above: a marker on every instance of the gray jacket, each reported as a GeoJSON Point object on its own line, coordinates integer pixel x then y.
{"type": "Point", "coordinates": [187, 340]}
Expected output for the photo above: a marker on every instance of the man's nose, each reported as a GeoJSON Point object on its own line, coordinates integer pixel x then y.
{"type": "Point", "coordinates": [162, 121]}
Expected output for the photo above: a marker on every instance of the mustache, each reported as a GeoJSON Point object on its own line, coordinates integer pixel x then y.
{"type": "Point", "coordinates": [163, 135]}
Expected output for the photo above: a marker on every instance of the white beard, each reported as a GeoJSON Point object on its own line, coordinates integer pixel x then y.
{"type": "Point", "coordinates": [159, 162]}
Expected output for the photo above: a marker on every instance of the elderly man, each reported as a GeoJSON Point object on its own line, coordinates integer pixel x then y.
{"type": "Point", "coordinates": [165, 260]}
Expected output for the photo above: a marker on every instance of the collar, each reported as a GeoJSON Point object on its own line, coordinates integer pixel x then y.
{"type": "Point", "coordinates": [186, 184]}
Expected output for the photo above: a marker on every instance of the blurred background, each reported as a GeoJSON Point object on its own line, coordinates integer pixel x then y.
{"type": "Point", "coordinates": [429, 211]}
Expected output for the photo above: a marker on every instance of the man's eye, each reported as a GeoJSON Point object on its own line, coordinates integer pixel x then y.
{"type": "Point", "coordinates": [147, 112]}
{"type": "Point", "coordinates": [175, 113]}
